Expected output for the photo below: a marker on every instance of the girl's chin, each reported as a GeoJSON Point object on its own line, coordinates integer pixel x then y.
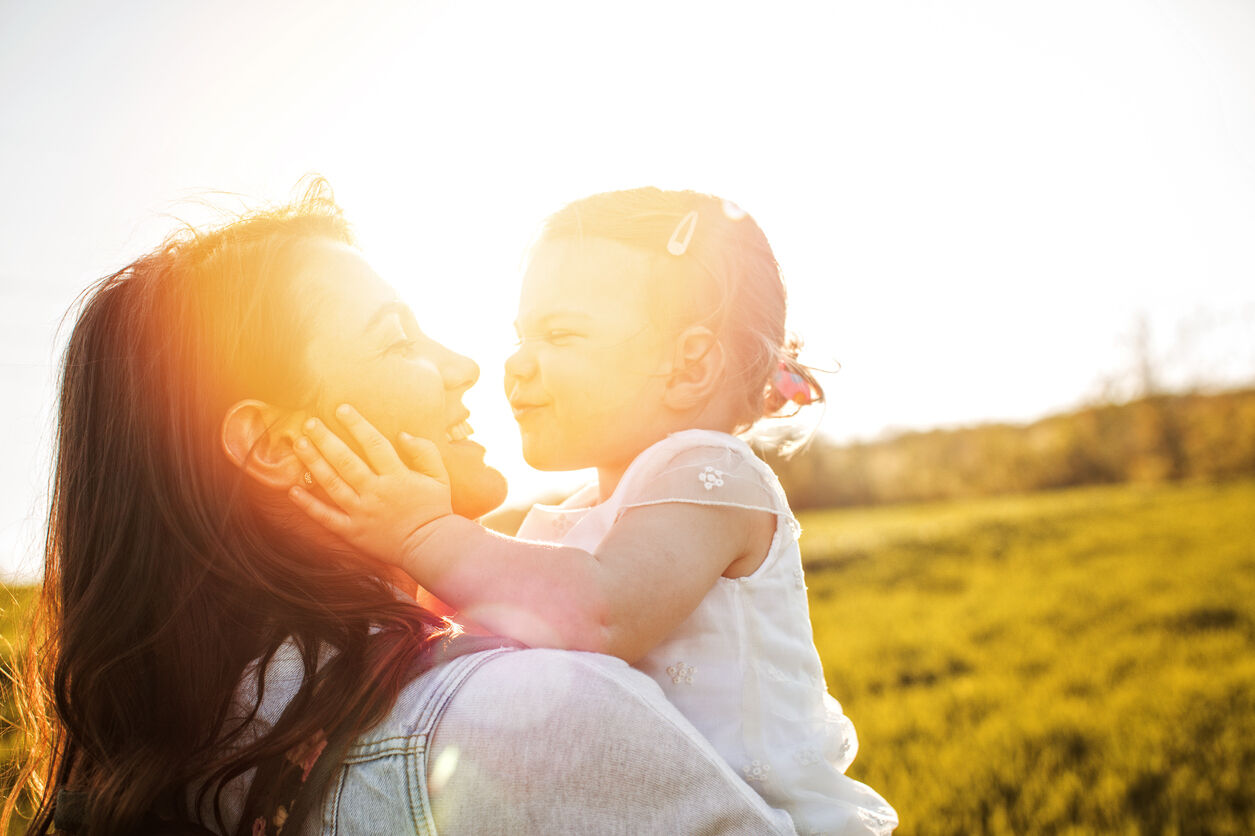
{"type": "Point", "coordinates": [544, 457]}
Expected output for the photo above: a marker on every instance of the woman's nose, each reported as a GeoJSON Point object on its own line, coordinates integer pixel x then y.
{"type": "Point", "coordinates": [458, 371]}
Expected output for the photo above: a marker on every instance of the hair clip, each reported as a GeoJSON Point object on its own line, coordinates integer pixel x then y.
{"type": "Point", "coordinates": [687, 224]}
{"type": "Point", "coordinates": [792, 385]}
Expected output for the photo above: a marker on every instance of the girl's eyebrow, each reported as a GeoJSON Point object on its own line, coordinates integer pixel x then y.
{"type": "Point", "coordinates": [544, 319]}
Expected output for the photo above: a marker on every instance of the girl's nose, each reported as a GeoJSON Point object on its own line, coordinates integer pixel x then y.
{"type": "Point", "coordinates": [520, 365]}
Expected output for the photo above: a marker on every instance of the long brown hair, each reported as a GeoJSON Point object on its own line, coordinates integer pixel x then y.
{"type": "Point", "coordinates": [167, 571]}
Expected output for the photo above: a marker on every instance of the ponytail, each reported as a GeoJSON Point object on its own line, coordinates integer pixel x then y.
{"type": "Point", "coordinates": [791, 381]}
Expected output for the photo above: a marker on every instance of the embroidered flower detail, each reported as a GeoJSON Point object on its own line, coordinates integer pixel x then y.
{"type": "Point", "coordinates": [881, 823]}
{"type": "Point", "coordinates": [681, 673]}
{"type": "Point", "coordinates": [711, 478]}
{"type": "Point", "coordinates": [808, 756]}
{"type": "Point", "coordinates": [280, 817]}
{"type": "Point", "coordinates": [305, 755]}
{"type": "Point", "coordinates": [799, 579]}
{"type": "Point", "coordinates": [756, 770]}
{"type": "Point", "coordinates": [562, 524]}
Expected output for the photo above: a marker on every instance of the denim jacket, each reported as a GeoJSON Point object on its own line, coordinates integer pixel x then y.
{"type": "Point", "coordinates": [525, 741]}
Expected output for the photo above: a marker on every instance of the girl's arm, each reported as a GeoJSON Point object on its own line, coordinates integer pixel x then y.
{"type": "Point", "coordinates": [649, 573]}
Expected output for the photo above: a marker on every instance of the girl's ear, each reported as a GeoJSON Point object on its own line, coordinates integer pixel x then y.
{"type": "Point", "coordinates": [258, 438]}
{"type": "Point", "coordinates": [696, 370]}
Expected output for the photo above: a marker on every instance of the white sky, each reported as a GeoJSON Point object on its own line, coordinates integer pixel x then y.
{"type": "Point", "coordinates": [973, 201]}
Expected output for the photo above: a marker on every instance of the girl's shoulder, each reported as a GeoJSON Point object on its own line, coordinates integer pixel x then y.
{"type": "Point", "coordinates": [703, 449]}
{"type": "Point", "coordinates": [695, 444]}
{"type": "Point", "coordinates": [703, 467]}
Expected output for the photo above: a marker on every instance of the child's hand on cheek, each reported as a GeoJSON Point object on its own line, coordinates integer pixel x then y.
{"type": "Point", "coordinates": [377, 505]}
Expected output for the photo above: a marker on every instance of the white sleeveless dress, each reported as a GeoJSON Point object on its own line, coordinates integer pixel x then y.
{"type": "Point", "coordinates": [743, 666]}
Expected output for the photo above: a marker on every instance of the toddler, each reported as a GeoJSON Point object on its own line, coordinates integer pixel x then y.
{"type": "Point", "coordinates": [651, 332]}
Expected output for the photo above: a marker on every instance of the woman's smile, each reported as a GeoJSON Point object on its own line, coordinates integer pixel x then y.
{"type": "Point", "coordinates": [459, 432]}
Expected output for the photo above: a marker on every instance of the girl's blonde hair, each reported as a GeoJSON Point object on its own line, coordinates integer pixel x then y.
{"type": "Point", "coordinates": [727, 276]}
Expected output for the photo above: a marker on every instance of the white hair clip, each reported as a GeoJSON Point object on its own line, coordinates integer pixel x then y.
{"type": "Point", "coordinates": [686, 226]}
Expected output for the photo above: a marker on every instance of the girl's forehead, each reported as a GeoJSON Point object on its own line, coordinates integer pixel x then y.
{"type": "Point", "coordinates": [573, 269]}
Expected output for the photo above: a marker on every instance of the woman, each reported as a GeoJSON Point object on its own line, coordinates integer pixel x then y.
{"type": "Point", "coordinates": [197, 631]}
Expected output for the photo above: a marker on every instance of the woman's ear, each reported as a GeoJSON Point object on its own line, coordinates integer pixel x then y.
{"type": "Point", "coordinates": [258, 438]}
{"type": "Point", "coordinates": [697, 369]}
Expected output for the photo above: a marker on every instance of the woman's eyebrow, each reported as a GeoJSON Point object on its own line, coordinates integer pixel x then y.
{"type": "Point", "coordinates": [395, 306]}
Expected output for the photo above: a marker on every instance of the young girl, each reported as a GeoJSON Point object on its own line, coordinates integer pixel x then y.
{"type": "Point", "coordinates": [651, 330]}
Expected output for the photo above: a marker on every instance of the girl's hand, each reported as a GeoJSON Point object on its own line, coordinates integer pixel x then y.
{"type": "Point", "coordinates": [381, 503]}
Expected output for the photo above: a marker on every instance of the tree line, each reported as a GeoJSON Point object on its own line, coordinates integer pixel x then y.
{"type": "Point", "coordinates": [1157, 438]}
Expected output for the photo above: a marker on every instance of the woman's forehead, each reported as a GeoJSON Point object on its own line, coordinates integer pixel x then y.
{"type": "Point", "coordinates": [352, 293]}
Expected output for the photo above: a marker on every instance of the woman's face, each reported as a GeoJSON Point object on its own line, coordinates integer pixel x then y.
{"type": "Point", "coordinates": [366, 349]}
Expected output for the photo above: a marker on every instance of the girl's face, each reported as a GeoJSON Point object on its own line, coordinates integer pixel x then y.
{"type": "Point", "coordinates": [587, 381]}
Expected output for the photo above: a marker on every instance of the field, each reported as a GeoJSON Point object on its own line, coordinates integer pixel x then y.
{"type": "Point", "coordinates": [15, 605]}
{"type": "Point", "coordinates": [1072, 662]}
{"type": "Point", "coordinates": [1064, 663]}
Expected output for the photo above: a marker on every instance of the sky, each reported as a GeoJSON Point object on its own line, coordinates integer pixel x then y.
{"type": "Point", "coordinates": [980, 207]}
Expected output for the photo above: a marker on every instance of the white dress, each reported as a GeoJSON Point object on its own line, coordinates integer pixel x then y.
{"type": "Point", "coordinates": [743, 666]}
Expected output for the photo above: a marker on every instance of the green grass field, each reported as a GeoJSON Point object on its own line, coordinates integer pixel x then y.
{"type": "Point", "coordinates": [1072, 662]}
{"type": "Point", "coordinates": [15, 606]}
{"type": "Point", "coordinates": [1062, 663]}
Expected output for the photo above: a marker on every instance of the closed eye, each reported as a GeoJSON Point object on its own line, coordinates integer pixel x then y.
{"type": "Point", "coordinates": [555, 336]}
{"type": "Point", "coordinates": [405, 348]}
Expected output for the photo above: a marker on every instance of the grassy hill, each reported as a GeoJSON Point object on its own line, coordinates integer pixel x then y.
{"type": "Point", "coordinates": [1072, 662]}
